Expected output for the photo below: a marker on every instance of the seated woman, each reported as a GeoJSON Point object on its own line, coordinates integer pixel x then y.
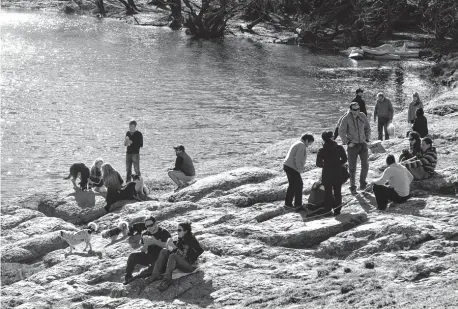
{"type": "Point", "coordinates": [181, 254]}
{"type": "Point", "coordinates": [95, 176]}
{"type": "Point", "coordinates": [420, 124]}
{"type": "Point", "coordinates": [115, 190]}
{"type": "Point", "coordinates": [140, 188]}
{"type": "Point", "coordinates": [414, 149]}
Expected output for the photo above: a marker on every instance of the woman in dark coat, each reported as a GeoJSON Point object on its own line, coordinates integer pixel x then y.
{"type": "Point", "coordinates": [330, 158]}
{"type": "Point", "coordinates": [115, 190]}
{"type": "Point", "coordinates": [420, 123]}
{"type": "Point", "coordinates": [414, 149]}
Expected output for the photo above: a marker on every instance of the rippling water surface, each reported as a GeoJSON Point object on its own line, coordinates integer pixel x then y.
{"type": "Point", "coordinates": [70, 85]}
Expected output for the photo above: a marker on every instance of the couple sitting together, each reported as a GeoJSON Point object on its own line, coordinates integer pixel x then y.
{"type": "Point", "coordinates": [163, 255]}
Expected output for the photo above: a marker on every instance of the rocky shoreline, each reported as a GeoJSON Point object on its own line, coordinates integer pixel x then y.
{"type": "Point", "coordinates": [404, 257]}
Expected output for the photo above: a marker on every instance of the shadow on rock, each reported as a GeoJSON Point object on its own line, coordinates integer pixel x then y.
{"type": "Point", "coordinates": [85, 254]}
{"type": "Point", "coordinates": [84, 199]}
{"type": "Point", "coordinates": [411, 207]}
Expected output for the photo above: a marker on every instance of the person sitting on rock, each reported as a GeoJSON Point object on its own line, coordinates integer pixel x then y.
{"type": "Point", "coordinates": [95, 177]}
{"type": "Point", "coordinates": [184, 171]}
{"type": "Point", "coordinates": [140, 188]}
{"type": "Point", "coordinates": [399, 180]}
{"type": "Point", "coordinates": [115, 190]}
{"type": "Point", "coordinates": [181, 254]}
{"type": "Point", "coordinates": [294, 165]}
{"type": "Point", "coordinates": [423, 164]}
{"type": "Point", "coordinates": [414, 147]}
{"type": "Point", "coordinates": [330, 158]}
{"type": "Point", "coordinates": [413, 106]}
{"type": "Point", "coordinates": [420, 124]}
{"type": "Point", "coordinates": [154, 239]}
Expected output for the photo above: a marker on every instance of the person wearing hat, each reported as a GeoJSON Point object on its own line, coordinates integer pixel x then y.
{"type": "Point", "coordinates": [358, 98]}
{"type": "Point", "coordinates": [184, 171]}
{"type": "Point", "coordinates": [355, 132]}
{"type": "Point", "coordinates": [331, 158]}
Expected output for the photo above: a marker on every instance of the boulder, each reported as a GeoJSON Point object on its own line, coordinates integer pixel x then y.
{"type": "Point", "coordinates": [376, 147]}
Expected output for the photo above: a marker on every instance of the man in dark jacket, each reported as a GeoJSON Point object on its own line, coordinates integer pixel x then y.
{"type": "Point", "coordinates": [133, 141]}
{"type": "Point", "coordinates": [420, 124]}
{"type": "Point", "coordinates": [184, 171]}
{"type": "Point", "coordinates": [330, 158]}
{"type": "Point", "coordinates": [360, 101]}
{"type": "Point", "coordinates": [384, 112]}
{"type": "Point", "coordinates": [154, 239]}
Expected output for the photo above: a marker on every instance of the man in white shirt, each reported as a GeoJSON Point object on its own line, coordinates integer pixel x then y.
{"type": "Point", "coordinates": [399, 179]}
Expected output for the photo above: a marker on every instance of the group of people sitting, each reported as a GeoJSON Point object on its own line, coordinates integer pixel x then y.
{"type": "Point", "coordinates": [162, 254]}
{"type": "Point", "coordinates": [418, 162]}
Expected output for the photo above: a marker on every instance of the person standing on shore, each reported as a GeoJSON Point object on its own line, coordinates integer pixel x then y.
{"type": "Point", "coordinates": [184, 171]}
{"type": "Point", "coordinates": [355, 132]}
{"type": "Point", "coordinates": [399, 179]}
{"type": "Point", "coordinates": [358, 98]}
{"type": "Point", "coordinates": [133, 141]}
{"type": "Point", "coordinates": [384, 112]}
{"type": "Point", "coordinates": [413, 106]}
{"type": "Point", "coordinates": [331, 158]}
{"type": "Point", "coordinates": [294, 165]}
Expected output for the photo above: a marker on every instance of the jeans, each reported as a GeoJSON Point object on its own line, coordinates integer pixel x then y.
{"type": "Point", "coordinates": [179, 177]}
{"type": "Point", "coordinates": [332, 200]}
{"type": "Point", "coordinates": [382, 125]}
{"type": "Point", "coordinates": [383, 194]}
{"type": "Point", "coordinates": [362, 151]}
{"type": "Point", "coordinates": [140, 258]}
{"type": "Point", "coordinates": [295, 186]}
{"type": "Point", "coordinates": [135, 159]}
{"type": "Point", "coordinates": [171, 261]}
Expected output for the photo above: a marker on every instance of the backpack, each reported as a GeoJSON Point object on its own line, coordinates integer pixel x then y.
{"type": "Point", "coordinates": [316, 197]}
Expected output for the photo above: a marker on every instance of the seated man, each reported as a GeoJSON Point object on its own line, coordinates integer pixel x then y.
{"type": "Point", "coordinates": [184, 171]}
{"type": "Point", "coordinates": [423, 164]}
{"type": "Point", "coordinates": [399, 179]}
{"type": "Point", "coordinates": [154, 239]}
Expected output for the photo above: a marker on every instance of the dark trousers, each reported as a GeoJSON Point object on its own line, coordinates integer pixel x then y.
{"type": "Point", "coordinates": [332, 198]}
{"type": "Point", "coordinates": [384, 194]}
{"type": "Point", "coordinates": [382, 125]}
{"type": "Point", "coordinates": [362, 151]}
{"type": "Point", "coordinates": [140, 258]}
{"type": "Point", "coordinates": [170, 262]}
{"type": "Point", "coordinates": [295, 186]}
{"type": "Point", "coordinates": [132, 158]}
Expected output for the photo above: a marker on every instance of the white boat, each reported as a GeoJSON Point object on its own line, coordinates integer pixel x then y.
{"type": "Point", "coordinates": [389, 49]}
{"type": "Point", "coordinates": [356, 54]}
{"type": "Point", "coordinates": [374, 51]}
{"type": "Point", "coordinates": [386, 56]}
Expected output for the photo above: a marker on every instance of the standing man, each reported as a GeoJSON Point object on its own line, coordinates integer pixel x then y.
{"type": "Point", "coordinates": [384, 111]}
{"type": "Point", "coordinates": [184, 171]}
{"type": "Point", "coordinates": [355, 132]}
{"type": "Point", "coordinates": [294, 165]}
{"type": "Point", "coordinates": [360, 101]}
{"type": "Point", "coordinates": [399, 179]}
{"type": "Point", "coordinates": [133, 141]}
{"type": "Point", "coordinates": [154, 239]}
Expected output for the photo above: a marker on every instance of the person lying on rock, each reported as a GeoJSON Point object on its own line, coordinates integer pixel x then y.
{"type": "Point", "coordinates": [184, 171]}
{"type": "Point", "coordinates": [181, 254]}
{"type": "Point", "coordinates": [154, 239]}
{"type": "Point", "coordinates": [294, 165]}
{"type": "Point", "coordinates": [423, 164]}
{"type": "Point", "coordinates": [414, 147]}
{"type": "Point", "coordinates": [399, 180]}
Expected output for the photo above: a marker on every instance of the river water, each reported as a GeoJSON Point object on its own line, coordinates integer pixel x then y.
{"type": "Point", "coordinates": [70, 85]}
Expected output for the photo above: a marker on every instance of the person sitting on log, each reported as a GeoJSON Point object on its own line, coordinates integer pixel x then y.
{"type": "Point", "coordinates": [423, 164]}
{"type": "Point", "coordinates": [181, 254]}
{"type": "Point", "coordinates": [399, 179]}
{"type": "Point", "coordinates": [414, 147]}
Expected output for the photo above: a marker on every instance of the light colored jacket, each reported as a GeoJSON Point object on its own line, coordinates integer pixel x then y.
{"type": "Point", "coordinates": [355, 130]}
{"type": "Point", "coordinates": [412, 109]}
{"type": "Point", "coordinates": [296, 157]}
{"type": "Point", "coordinates": [398, 177]}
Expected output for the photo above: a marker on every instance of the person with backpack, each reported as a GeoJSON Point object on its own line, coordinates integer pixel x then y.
{"type": "Point", "coordinates": [331, 158]}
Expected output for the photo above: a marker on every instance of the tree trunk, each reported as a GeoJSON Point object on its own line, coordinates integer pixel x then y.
{"type": "Point", "coordinates": [101, 7]}
{"type": "Point", "coordinates": [175, 6]}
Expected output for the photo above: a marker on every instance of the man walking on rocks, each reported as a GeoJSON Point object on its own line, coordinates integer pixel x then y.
{"type": "Point", "coordinates": [355, 132]}
{"type": "Point", "coordinates": [133, 141]}
{"type": "Point", "coordinates": [294, 165]}
{"type": "Point", "coordinates": [399, 179]}
{"type": "Point", "coordinates": [384, 111]}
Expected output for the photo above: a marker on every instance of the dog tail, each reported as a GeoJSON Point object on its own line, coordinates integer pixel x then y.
{"type": "Point", "coordinates": [68, 177]}
{"type": "Point", "coordinates": [123, 225]}
{"type": "Point", "coordinates": [93, 227]}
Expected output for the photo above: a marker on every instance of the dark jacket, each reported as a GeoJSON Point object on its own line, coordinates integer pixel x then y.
{"type": "Point", "coordinates": [189, 248]}
{"type": "Point", "coordinates": [184, 163]}
{"type": "Point", "coordinates": [361, 103]}
{"type": "Point", "coordinates": [137, 142]}
{"type": "Point", "coordinates": [420, 125]}
{"type": "Point", "coordinates": [330, 158]}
